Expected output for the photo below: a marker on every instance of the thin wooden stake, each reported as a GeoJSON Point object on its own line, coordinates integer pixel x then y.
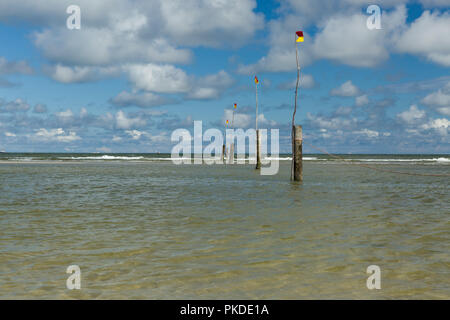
{"type": "Point", "coordinates": [298, 153]}
{"type": "Point", "coordinates": [296, 162]}
{"type": "Point", "coordinates": [258, 149]}
{"type": "Point", "coordinates": [258, 153]}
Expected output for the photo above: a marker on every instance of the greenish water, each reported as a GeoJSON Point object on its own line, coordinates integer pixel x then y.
{"type": "Point", "coordinates": [153, 230]}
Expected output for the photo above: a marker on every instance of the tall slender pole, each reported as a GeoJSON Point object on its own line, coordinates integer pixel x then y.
{"type": "Point", "coordinates": [256, 86]}
{"type": "Point", "coordinates": [258, 155]}
{"type": "Point", "coordinates": [231, 155]}
{"type": "Point", "coordinates": [232, 121]}
{"type": "Point", "coordinates": [297, 135]}
{"type": "Point", "coordinates": [224, 142]}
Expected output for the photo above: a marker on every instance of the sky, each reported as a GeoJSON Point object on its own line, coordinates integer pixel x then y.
{"type": "Point", "coordinates": [137, 70]}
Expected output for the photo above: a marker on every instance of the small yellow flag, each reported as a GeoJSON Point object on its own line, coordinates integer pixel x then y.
{"type": "Point", "coordinates": [256, 80]}
{"type": "Point", "coordinates": [300, 36]}
{"type": "Point", "coordinates": [235, 105]}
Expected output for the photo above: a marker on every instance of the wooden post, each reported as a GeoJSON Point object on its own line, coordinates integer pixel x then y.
{"type": "Point", "coordinates": [223, 153]}
{"type": "Point", "coordinates": [298, 153]}
{"type": "Point", "coordinates": [258, 153]}
{"type": "Point", "coordinates": [297, 139]}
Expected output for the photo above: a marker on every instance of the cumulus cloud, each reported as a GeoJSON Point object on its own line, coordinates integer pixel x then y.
{"type": "Point", "coordinates": [12, 67]}
{"type": "Point", "coordinates": [439, 125]}
{"type": "Point", "coordinates": [347, 89]}
{"type": "Point", "coordinates": [412, 115]}
{"type": "Point", "coordinates": [361, 100]}
{"type": "Point", "coordinates": [306, 81]}
{"type": "Point", "coordinates": [57, 135]}
{"type": "Point", "coordinates": [77, 74]}
{"type": "Point", "coordinates": [150, 31]}
{"type": "Point", "coordinates": [135, 134]}
{"type": "Point", "coordinates": [431, 28]}
{"type": "Point", "coordinates": [210, 86]}
{"type": "Point", "coordinates": [439, 100]}
{"type": "Point", "coordinates": [364, 48]}
{"type": "Point", "coordinates": [40, 108]}
{"type": "Point", "coordinates": [143, 100]}
{"type": "Point", "coordinates": [17, 105]}
{"type": "Point", "coordinates": [159, 78]}
{"type": "Point", "coordinates": [125, 122]}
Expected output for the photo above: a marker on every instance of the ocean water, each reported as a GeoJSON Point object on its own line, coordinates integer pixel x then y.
{"type": "Point", "coordinates": [139, 226]}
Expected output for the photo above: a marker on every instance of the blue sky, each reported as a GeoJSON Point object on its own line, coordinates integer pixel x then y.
{"type": "Point", "coordinates": [137, 70]}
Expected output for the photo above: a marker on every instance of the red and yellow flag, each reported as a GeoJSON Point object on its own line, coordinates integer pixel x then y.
{"type": "Point", "coordinates": [227, 121]}
{"type": "Point", "coordinates": [256, 80]}
{"type": "Point", "coordinates": [300, 36]}
{"type": "Point", "coordinates": [235, 105]}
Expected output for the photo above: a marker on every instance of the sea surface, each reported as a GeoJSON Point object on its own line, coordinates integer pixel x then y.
{"type": "Point", "coordinates": [141, 227]}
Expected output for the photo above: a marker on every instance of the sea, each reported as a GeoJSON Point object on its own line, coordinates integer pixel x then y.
{"type": "Point", "coordinates": [139, 226]}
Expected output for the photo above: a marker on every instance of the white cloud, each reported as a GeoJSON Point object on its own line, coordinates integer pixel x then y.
{"type": "Point", "coordinates": [135, 134]}
{"type": "Point", "coordinates": [335, 123]}
{"type": "Point", "coordinates": [40, 108]}
{"type": "Point", "coordinates": [204, 93]}
{"type": "Point", "coordinates": [210, 86]}
{"type": "Point", "coordinates": [65, 116]}
{"type": "Point", "coordinates": [347, 40]}
{"type": "Point", "coordinates": [58, 135]}
{"type": "Point", "coordinates": [241, 120]}
{"type": "Point", "coordinates": [76, 74]}
{"type": "Point", "coordinates": [10, 134]}
{"type": "Point", "coordinates": [143, 100]}
{"type": "Point", "coordinates": [210, 22]}
{"type": "Point", "coordinates": [124, 122]}
{"type": "Point", "coordinates": [335, 21]}
{"type": "Point", "coordinates": [306, 81]}
{"type": "Point", "coordinates": [17, 105]}
{"type": "Point", "coordinates": [361, 100]}
{"type": "Point", "coordinates": [127, 31]}
{"type": "Point", "coordinates": [440, 125]}
{"type": "Point", "coordinates": [440, 100]}
{"type": "Point", "coordinates": [412, 115]}
{"type": "Point", "coordinates": [347, 89]}
{"type": "Point", "coordinates": [11, 67]}
{"type": "Point", "coordinates": [159, 78]}
{"type": "Point", "coordinates": [427, 36]}
{"type": "Point", "coordinates": [368, 133]}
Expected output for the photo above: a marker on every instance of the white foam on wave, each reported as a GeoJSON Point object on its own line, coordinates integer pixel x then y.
{"type": "Point", "coordinates": [403, 160]}
{"type": "Point", "coordinates": [106, 157]}
{"type": "Point", "coordinates": [289, 158]}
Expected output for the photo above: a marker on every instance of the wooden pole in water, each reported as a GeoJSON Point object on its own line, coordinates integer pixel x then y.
{"type": "Point", "coordinates": [231, 155]}
{"type": "Point", "coordinates": [298, 153]}
{"type": "Point", "coordinates": [258, 154]}
{"type": "Point", "coordinates": [224, 142]}
{"type": "Point", "coordinates": [296, 165]}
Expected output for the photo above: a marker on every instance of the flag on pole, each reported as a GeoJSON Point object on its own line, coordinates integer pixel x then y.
{"type": "Point", "coordinates": [235, 105]}
{"type": "Point", "coordinates": [256, 80]}
{"type": "Point", "coordinates": [300, 36]}
{"type": "Point", "coordinates": [227, 121]}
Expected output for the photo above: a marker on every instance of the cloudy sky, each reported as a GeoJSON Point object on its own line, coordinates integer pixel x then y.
{"type": "Point", "coordinates": [137, 70]}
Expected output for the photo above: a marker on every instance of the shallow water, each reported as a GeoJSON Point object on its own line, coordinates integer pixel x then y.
{"type": "Point", "coordinates": [154, 230]}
